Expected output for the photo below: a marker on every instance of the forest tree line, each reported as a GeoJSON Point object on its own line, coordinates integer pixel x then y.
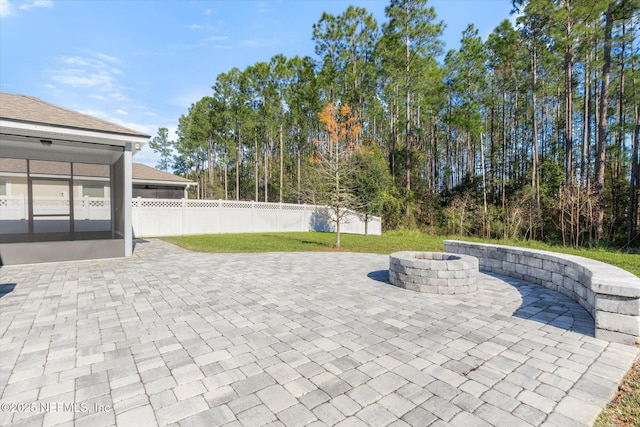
{"type": "Point", "coordinates": [532, 133]}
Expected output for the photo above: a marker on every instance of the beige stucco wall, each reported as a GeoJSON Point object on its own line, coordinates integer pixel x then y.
{"type": "Point", "coordinates": [17, 185]}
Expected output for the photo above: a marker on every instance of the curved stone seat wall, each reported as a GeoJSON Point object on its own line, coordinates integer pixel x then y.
{"type": "Point", "coordinates": [611, 295]}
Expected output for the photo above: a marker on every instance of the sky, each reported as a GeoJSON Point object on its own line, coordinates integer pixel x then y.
{"type": "Point", "coordinates": [142, 63]}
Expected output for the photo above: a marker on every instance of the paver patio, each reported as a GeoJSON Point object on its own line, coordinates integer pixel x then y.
{"type": "Point", "coordinates": [172, 337]}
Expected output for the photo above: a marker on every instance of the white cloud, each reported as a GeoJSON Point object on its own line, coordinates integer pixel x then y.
{"type": "Point", "coordinates": [194, 26]}
{"type": "Point", "coordinates": [187, 96]}
{"type": "Point", "coordinates": [147, 157]}
{"type": "Point", "coordinates": [216, 42]}
{"type": "Point", "coordinates": [93, 72]}
{"type": "Point", "coordinates": [257, 42]}
{"type": "Point", "coordinates": [36, 3]}
{"type": "Point", "coordinates": [108, 58]}
{"type": "Point", "coordinates": [6, 8]}
{"type": "Point", "coordinates": [98, 97]}
{"type": "Point", "coordinates": [216, 38]}
{"type": "Point", "coordinates": [208, 12]}
{"type": "Point", "coordinates": [121, 111]}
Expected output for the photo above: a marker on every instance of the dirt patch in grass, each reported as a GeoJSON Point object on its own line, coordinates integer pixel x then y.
{"type": "Point", "coordinates": [624, 409]}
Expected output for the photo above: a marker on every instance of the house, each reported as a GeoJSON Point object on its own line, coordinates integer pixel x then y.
{"type": "Point", "coordinates": [150, 183]}
{"type": "Point", "coordinates": [66, 183]}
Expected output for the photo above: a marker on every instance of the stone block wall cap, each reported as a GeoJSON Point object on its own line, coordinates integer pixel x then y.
{"type": "Point", "coordinates": [605, 278]}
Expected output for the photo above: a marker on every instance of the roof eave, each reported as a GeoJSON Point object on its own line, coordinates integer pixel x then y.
{"type": "Point", "coordinates": [168, 183]}
{"type": "Point", "coordinates": [41, 130]}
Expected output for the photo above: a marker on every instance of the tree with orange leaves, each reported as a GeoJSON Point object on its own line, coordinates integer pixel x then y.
{"type": "Point", "coordinates": [333, 169]}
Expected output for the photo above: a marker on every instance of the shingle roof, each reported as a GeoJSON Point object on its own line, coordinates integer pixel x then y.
{"type": "Point", "coordinates": [146, 173]}
{"type": "Point", "coordinates": [139, 171]}
{"type": "Point", "coordinates": [33, 110]}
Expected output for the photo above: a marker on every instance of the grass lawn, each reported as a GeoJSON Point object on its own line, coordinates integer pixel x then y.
{"type": "Point", "coordinates": [387, 243]}
{"type": "Point", "coordinates": [623, 410]}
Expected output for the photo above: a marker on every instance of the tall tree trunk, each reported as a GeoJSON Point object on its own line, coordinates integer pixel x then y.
{"type": "Point", "coordinates": [601, 149]}
{"type": "Point", "coordinates": [586, 132]}
{"type": "Point", "coordinates": [621, 119]}
{"type": "Point", "coordinates": [535, 179]}
{"type": "Point", "coordinates": [210, 149]}
{"type": "Point", "coordinates": [299, 165]}
{"type": "Point", "coordinates": [281, 163]}
{"type": "Point", "coordinates": [568, 96]}
{"type": "Point", "coordinates": [226, 178]}
{"type": "Point", "coordinates": [503, 186]}
{"type": "Point", "coordinates": [408, 115]}
{"type": "Point", "coordinates": [266, 177]}
{"type": "Point", "coordinates": [257, 165]}
{"type": "Point", "coordinates": [394, 124]}
{"type": "Point", "coordinates": [632, 211]}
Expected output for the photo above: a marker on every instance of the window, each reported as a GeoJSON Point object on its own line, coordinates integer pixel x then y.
{"type": "Point", "coordinates": [3, 188]}
{"type": "Point", "coordinates": [93, 190]}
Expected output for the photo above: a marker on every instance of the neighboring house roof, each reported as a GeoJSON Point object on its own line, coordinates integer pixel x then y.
{"type": "Point", "coordinates": [33, 110]}
{"type": "Point", "coordinates": [143, 174]}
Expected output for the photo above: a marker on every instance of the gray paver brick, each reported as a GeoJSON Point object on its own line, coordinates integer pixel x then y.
{"type": "Point", "coordinates": [467, 402]}
{"type": "Point", "coordinates": [276, 398]}
{"type": "Point", "coordinates": [396, 404]}
{"type": "Point", "coordinates": [256, 416]}
{"type": "Point", "coordinates": [387, 383]}
{"type": "Point", "coordinates": [185, 391]}
{"type": "Point", "coordinates": [419, 417]}
{"type": "Point", "coordinates": [131, 403]}
{"type": "Point", "coordinates": [346, 405]}
{"type": "Point", "coordinates": [297, 415]}
{"type": "Point", "coordinates": [328, 414]}
{"type": "Point", "coordinates": [181, 410]}
{"type": "Point", "coordinates": [537, 401]}
{"type": "Point", "coordinates": [465, 419]}
{"type": "Point", "coordinates": [217, 416]}
{"type": "Point", "coordinates": [376, 415]}
{"type": "Point", "coordinates": [300, 386]}
{"type": "Point", "coordinates": [314, 398]}
{"type": "Point", "coordinates": [500, 400]}
{"type": "Point", "coordinates": [141, 416]}
{"type": "Point", "coordinates": [220, 396]}
{"type": "Point", "coordinates": [530, 414]}
{"type": "Point", "coordinates": [441, 408]}
{"type": "Point", "coordinates": [96, 419]}
{"type": "Point", "coordinates": [163, 398]}
{"type": "Point", "coordinates": [244, 403]}
{"type": "Point", "coordinates": [496, 416]}
{"type": "Point", "coordinates": [252, 384]}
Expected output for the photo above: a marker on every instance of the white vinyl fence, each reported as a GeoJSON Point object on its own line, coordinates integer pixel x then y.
{"type": "Point", "coordinates": [90, 214]}
{"type": "Point", "coordinates": [166, 217]}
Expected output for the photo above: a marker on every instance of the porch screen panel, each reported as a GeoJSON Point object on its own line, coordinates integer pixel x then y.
{"type": "Point", "coordinates": [92, 197]}
{"type": "Point", "coordinates": [51, 206]}
{"type": "Point", "coordinates": [14, 200]}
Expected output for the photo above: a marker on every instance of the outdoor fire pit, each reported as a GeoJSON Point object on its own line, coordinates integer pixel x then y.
{"type": "Point", "coordinates": [434, 272]}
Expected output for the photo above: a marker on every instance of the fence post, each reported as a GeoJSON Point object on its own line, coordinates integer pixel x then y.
{"type": "Point", "coordinates": [184, 216]}
{"type": "Point", "coordinates": [86, 202]}
{"type": "Point", "coordinates": [135, 216]}
{"type": "Point", "coordinates": [253, 207]}
{"type": "Point", "coordinates": [23, 207]}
